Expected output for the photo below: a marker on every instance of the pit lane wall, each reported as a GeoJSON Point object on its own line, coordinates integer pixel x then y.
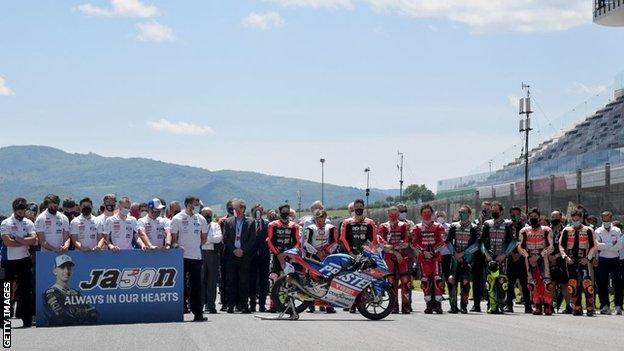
{"type": "Point", "coordinates": [88, 288]}
{"type": "Point", "coordinates": [598, 189]}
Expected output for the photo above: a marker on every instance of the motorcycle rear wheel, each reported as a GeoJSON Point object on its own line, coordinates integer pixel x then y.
{"type": "Point", "coordinates": [279, 296]}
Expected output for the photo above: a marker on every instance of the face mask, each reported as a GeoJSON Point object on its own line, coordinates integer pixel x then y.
{"type": "Point", "coordinates": [606, 225]}
{"type": "Point", "coordinates": [555, 222]}
{"type": "Point", "coordinates": [196, 210]}
{"type": "Point", "coordinates": [441, 220]}
{"type": "Point", "coordinates": [52, 211]}
{"type": "Point", "coordinates": [576, 223]}
{"type": "Point", "coordinates": [485, 213]}
{"type": "Point", "coordinates": [495, 215]}
{"type": "Point", "coordinates": [208, 218]}
{"type": "Point", "coordinates": [86, 211]}
{"type": "Point", "coordinates": [426, 217]}
{"type": "Point", "coordinates": [359, 211]}
{"type": "Point", "coordinates": [534, 222]}
{"type": "Point", "coordinates": [284, 215]}
{"type": "Point", "coordinates": [516, 219]}
{"type": "Point", "coordinates": [463, 216]}
{"type": "Point", "coordinates": [124, 211]}
{"type": "Point", "coordinates": [110, 208]}
{"type": "Point", "coordinates": [18, 217]}
{"type": "Point", "coordinates": [230, 210]}
{"type": "Point", "coordinates": [258, 215]}
{"type": "Point", "coordinates": [393, 217]}
{"type": "Point", "coordinates": [403, 216]}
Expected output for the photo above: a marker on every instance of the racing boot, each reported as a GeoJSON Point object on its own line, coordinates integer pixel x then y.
{"type": "Point", "coordinates": [538, 309]}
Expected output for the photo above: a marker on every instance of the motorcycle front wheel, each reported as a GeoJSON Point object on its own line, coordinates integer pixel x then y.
{"type": "Point", "coordinates": [279, 295]}
{"type": "Point", "coordinates": [375, 306]}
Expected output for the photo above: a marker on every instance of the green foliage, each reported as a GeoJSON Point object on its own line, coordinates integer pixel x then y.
{"type": "Point", "coordinates": [416, 193]}
{"type": "Point", "coordinates": [37, 171]}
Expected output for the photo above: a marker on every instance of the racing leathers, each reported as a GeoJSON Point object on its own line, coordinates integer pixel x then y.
{"type": "Point", "coordinates": [320, 242]}
{"type": "Point", "coordinates": [535, 245]}
{"type": "Point", "coordinates": [462, 241]}
{"type": "Point", "coordinates": [498, 241]}
{"type": "Point", "coordinates": [578, 247]}
{"type": "Point", "coordinates": [427, 240]}
{"type": "Point", "coordinates": [281, 236]}
{"type": "Point", "coordinates": [394, 234]}
{"type": "Point", "coordinates": [354, 234]}
{"type": "Point", "coordinates": [64, 306]}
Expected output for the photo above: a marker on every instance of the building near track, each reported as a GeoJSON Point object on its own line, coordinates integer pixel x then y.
{"type": "Point", "coordinates": [609, 12]}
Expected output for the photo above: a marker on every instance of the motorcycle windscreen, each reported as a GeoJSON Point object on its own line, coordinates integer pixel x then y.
{"type": "Point", "coordinates": [345, 288]}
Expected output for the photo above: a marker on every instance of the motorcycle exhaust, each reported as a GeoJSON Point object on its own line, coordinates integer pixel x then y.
{"type": "Point", "coordinates": [301, 288]}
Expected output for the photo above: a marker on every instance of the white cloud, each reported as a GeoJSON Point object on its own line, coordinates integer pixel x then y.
{"type": "Point", "coordinates": [121, 8]}
{"type": "Point", "coordinates": [334, 4]}
{"type": "Point", "coordinates": [263, 20]}
{"type": "Point", "coordinates": [179, 128]}
{"type": "Point", "coordinates": [490, 15]}
{"type": "Point", "coordinates": [590, 90]}
{"type": "Point", "coordinates": [4, 90]}
{"type": "Point", "coordinates": [154, 31]}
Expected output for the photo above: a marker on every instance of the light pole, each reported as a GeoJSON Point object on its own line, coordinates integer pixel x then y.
{"type": "Point", "coordinates": [525, 126]}
{"type": "Point", "coordinates": [323, 181]}
{"type": "Point", "coordinates": [367, 171]}
{"type": "Point", "coordinates": [401, 178]}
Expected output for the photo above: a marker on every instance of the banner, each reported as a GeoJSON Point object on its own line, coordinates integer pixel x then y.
{"type": "Point", "coordinates": [131, 286]}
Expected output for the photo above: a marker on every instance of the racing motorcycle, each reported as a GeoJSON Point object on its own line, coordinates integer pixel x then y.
{"type": "Point", "coordinates": [339, 280]}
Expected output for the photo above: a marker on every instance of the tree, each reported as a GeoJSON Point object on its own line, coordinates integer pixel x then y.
{"type": "Point", "coordinates": [415, 192]}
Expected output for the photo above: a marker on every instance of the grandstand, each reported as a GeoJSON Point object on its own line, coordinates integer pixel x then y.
{"type": "Point", "coordinates": [585, 161]}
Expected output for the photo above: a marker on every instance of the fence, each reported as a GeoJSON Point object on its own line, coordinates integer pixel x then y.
{"type": "Point", "coordinates": [597, 189]}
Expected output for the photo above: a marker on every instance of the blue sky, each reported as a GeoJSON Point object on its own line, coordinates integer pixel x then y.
{"type": "Point", "coordinates": [274, 85]}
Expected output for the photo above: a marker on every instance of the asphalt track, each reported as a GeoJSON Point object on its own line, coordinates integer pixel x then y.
{"type": "Point", "coordinates": [340, 331]}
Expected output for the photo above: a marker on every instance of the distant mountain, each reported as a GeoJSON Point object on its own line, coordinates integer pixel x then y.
{"type": "Point", "coordinates": [40, 170]}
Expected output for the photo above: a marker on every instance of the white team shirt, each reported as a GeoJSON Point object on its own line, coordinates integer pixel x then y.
{"type": "Point", "coordinates": [53, 227]}
{"type": "Point", "coordinates": [85, 230]}
{"type": "Point", "coordinates": [189, 229]}
{"type": "Point", "coordinates": [214, 236]}
{"type": "Point", "coordinates": [99, 222]}
{"type": "Point", "coordinates": [154, 229]}
{"type": "Point", "coordinates": [121, 232]}
{"type": "Point", "coordinates": [18, 229]}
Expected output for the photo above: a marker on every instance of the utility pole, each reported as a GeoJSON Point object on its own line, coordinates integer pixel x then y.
{"type": "Point", "coordinates": [400, 165]}
{"type": "Point", "coordinates": [367, 171]}
{"type": "Point", "coordinates": [299, 198]}
{"type": "Point", "coordinates": [323, 181]}
{"type": "Point", "coordinates": [490, 162]}
{"type": "Point", "coordinates": [525, 126]}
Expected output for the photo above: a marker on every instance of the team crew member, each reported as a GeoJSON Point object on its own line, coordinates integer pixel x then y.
{"type": "Point", "coordinates": [411, 254]}
{"type": "Point", "coordinates": [516, 268]}
{"type": "Point", "coordinates": [282, 235]}
{"type": "Point", "coordinates": [189, 230]}
{"type": "Point", "coordinates": [428, 239]}
{"type": "Point", "coordinates": [110, 203]}
{"type": "Point", "coordinates": [119, 229]}
{"type": "Point", "coordinates": [462, 241]}
{"type": "Point", "coordinates": [18, 235]}
{"type": "Point", "coordinates": [609, 247]}
{"type": "Point", "coordinates": [393, 235]}
{"type": "Point", "coordinates": [210, 266]}
{"type": "Point", "coordinates": [578, 246]}
{"type": "Point", "coordinates": [52, 227]}
{"type": "Point", "coordinates": [498, 242]}
{"type": "Point", "coordinates": [154, 228]}
{"type": "Point", "coordinates": [558, 270]}
{"type": "Point", "coordinates": [535, 245]}
{"type": "Point", "coordinates": [320, 239]}
{"type": "Point", "coordinates": [83, 230]}
{"type": "Point", "coordinates": [358, 230]}
{"type": "Point", "coordinates": [260, 262]}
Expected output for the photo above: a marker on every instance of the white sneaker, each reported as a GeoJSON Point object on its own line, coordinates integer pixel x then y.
{"type": "Point", "coordinates": [618, 310]}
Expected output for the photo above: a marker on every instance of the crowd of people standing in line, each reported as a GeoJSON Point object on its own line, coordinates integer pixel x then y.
{"type": "Point", "coordinates": [553, 260]}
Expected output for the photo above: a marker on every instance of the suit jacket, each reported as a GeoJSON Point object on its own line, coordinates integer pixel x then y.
{"type": "Point", "coordinates": [260, 246]}
{"type": "Point", "coordinates": [248, 237]}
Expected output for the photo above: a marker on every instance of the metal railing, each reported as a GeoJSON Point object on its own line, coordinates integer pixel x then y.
{"type": "Point", "coordinates": [602, 7]}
